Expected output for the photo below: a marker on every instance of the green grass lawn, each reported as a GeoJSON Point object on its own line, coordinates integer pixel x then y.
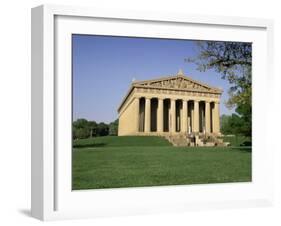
{"type": "Point", "coordinates": [113, 162]}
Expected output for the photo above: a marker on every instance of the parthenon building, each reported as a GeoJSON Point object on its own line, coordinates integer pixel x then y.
{"type": "Point", "coordinates": [170, 105]}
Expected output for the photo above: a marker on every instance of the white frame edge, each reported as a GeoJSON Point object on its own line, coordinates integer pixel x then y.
{"type": "Point", "coordinates": [43, 86]}
{"type": "Point", "coordinates": [42, 112]}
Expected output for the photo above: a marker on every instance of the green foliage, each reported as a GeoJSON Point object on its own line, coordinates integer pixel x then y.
{"type": "Point", "coordinates": [225, 127]}
{"type": "Point", "coordinates": [113, 128]}
{"type": "Point", "coordinates": [81, 133]}
{"type": "Point", "coordinates": [80, 123]}
{"type": "Point", "coordinates": [102, 129]}
{"type": "Point", "coordinates": [233, 60]}
{"type": "Point", "coordinates": [236, 124]}
{"type": "Point", "coordinates": [231, 124]}
{"type": "Point", "coordinates": [245, 110]}
{"type": "Point", "coordinates": [93, 127]}
{"type": "Point", "coordinates": [85, 129]}
{"type": "Point", "coordinates": [80, 129]}
{"type": "Point", "coordinates": [151, 161]}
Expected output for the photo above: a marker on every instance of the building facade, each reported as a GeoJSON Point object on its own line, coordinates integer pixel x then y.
{"type": "Point", "coordinates": [170, 105]}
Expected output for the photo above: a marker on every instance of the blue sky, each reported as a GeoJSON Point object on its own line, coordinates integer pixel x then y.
{"type": "Point", "coordinates": [104, 67]}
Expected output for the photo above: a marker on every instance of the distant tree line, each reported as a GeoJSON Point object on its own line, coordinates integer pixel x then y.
{"type": "Point", "coordinates": [82, 128]}
{"type": "Point", "coordinates": [236, 124]}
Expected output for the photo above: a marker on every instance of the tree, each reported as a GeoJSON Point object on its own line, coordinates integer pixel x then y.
{"type": "Point", "coordinates": [113, 128]}
{"type": "Point", "coordinates": [225, 125]}
{"type": "Point", "coordinates": [231, 124]}
{"type": "Point", "coordinates": [80, 129]}
{"type": "Point", "coordinates": [102, 129]}
{"type": "Point", "coordinates": [233, 60]}
{"type": "Point", "coordinates": [80, 123]}
{"type": "Point", "coordinates": [245, 110]}
{"type": "Point", "coordinates": [93, 127]}
{"type": "Point", "coordinates": [81, 133]}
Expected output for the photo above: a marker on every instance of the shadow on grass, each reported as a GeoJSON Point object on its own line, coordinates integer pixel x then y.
{"type": "Point", "coordinates": [243, 148]}
{"type": "Point", "coordinates": [89, 145]}
{"type": "Point", "coordinates": [246, 144]}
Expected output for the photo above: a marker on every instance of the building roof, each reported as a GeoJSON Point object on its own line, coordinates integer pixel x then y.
{"type": "Point", "coordinates": [178, 82]}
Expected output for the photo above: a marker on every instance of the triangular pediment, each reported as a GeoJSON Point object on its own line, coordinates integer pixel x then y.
{"type": "Point", "coordinates": [179, 82]}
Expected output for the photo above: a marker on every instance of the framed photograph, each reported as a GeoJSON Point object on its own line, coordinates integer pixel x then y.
{"type": "Point", "coordinates": [136, 113]}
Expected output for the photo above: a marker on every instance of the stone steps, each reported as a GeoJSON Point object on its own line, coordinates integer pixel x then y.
{"type": "Point", "coordinates": [178, 140]}
{"type": "Point", "coordinates": [184, 140]}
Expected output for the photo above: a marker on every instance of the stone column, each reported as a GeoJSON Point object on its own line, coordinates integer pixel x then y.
{"type": "Point", "coordinates": [137, 107]}
{"type": "Point", "coordinates": [173, 116]}
{"type": "Point", "coordinates": [147, 117]}
{"type": "Point", "coordinates": [184, 116]}
{"type": "Point", "coordinates": [192, 119]}
{"type": "Point", "coordinates": [180, 118]}
{"type": "Point", "coordinates": [196, 116]}
{"type": "Point", "coordinates": [216, 118]}
{"type": "Point", "coordinates": [160, 113]}
{"type": "Point", "coordinates": [207, 117]}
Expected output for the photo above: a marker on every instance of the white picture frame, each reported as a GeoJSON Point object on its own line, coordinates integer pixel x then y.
{"type": "Point", "coordinates": [52, 197]}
